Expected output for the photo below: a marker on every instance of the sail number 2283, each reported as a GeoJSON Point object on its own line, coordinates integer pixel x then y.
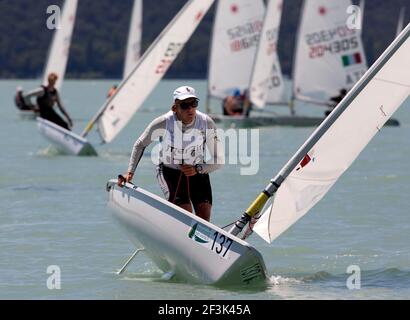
{"type": "Point", "coordinates": [221, 244]}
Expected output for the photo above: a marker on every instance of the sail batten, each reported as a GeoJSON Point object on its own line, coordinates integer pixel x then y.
{"type": "Point", "coordinates": [337, 142]}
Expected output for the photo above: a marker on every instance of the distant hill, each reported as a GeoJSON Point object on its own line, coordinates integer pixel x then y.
{"type": "Point", "coordinates": [101, 32]}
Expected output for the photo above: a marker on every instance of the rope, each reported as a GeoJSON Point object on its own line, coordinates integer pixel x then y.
{"type": "Point", "coordinates": [187, 185]}
{"type": "Point", "coordinates": [176, 191]}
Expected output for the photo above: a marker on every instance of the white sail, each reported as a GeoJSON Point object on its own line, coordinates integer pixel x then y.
{"type": "Point", "coordinates": [133, 50]}
{"type": "Point", "coordinates": [340, 138]}
{"type": "Point", "coordinates": [400, 23]}
{"type": "Point", "coordinates": [152, 66]}
{"type": "Point", "coordinates": [60, 46]}
{"type": "Point", "coordinates": [236, 32]}
{"type": "Point", "coordinates": [267, 82]}
{"type": "Point", "coordinates": [329, 55]}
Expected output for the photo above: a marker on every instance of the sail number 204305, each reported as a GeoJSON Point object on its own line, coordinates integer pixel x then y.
{"type": "Point", "coordinates": [221, 244]}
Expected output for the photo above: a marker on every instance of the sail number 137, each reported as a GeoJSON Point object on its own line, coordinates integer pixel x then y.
{"type": "Point", "coordinates": [221, 244]}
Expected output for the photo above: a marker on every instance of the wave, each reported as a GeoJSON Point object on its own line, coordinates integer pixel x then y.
{"type": "Point", "coordinates": [50, 151]}
{"type": "Point", "coordinates": [378, 278]}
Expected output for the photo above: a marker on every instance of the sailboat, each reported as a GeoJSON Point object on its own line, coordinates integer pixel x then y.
{"type": "Point", "coordinates": [117, 111]}
{"type": "Point", "coordinates": [256, 54]}
{"type": "Point", "coordinates": [329, 56]}
{"type": "Point", "coordinates": [59, 49]}
{"type": "Point", "coordinates": [193, 249]}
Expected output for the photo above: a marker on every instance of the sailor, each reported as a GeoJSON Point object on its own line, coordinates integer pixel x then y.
{"type": "Point", "coordinates": [188, 137]}
{"type": "Point", "coordinates": [335, 100]}
{"type": "Point", "coordinates": [111, 92]}
{"type": "Point", "coordinates": [21, 103]}
{"type": "Point", "coordinates": [47, 97]}
{"type": "Point", "coordinates": [231, 105]}
{"type": "Point", "coordinates": [246, 103]}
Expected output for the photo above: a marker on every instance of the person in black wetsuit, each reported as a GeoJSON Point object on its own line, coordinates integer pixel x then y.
{"type": "Point", "coordinates": [335, 100]}
{"type": "Point", "coordinates": [47, 97]}
{"type": "Point", "coordinates": [112, 90]}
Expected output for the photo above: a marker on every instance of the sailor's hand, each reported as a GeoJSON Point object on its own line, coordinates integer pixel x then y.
{"type": "Point", "coordinates": [189, 171]}
{"type": "Point", "coordinates": [129, 176]}
{"type": "Point", "coordinates": [122, 180]}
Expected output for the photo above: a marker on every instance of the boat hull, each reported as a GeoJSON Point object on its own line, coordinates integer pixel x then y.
{"type": "Point", "coordinates": [182, 243]}
{"type": "Point", "coordinates": [64, 140]}
{"type": "Point", "coordinates": [261, 121]}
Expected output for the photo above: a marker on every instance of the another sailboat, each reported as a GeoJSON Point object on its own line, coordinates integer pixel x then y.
{"type": "Point", "coordinates": [329, 56]}
{"type": "Point", "coordinates": [236, 30]}
{"type": "Point", "coordinates": [256, 54]}
{"type": "Point", "coordinates": [192, 249]}
{"type": "Point", "coordinates": [59, 49]}
{"type": "Point", "coordinates": [135, 88]}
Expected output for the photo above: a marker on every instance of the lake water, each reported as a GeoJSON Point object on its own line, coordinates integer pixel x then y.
{"type": "Point", "coordinates": [53, 211]}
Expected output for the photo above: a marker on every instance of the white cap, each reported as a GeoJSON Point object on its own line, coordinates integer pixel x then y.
{"type": "Point", "coordinates": [184, 92]}
{"type": "Point", "coordinates": [19, 88]}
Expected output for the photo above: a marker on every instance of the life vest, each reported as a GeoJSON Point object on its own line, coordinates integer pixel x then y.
{"type": "Point", "coordinates": [47, 100]}
{"type": "Point", "coordinates": [187, 147]}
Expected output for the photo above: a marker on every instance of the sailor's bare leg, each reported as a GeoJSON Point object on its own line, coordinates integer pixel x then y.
{"type": "Point", "coordinates": [186, 206]}
{"type": "Point", "coordinates": [203, 210]}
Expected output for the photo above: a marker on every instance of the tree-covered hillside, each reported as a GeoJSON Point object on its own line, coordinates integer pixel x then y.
{"type": "Point", "coordinates": [101, 32]}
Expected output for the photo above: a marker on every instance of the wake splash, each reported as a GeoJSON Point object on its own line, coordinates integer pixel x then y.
{"type": "Point", "coordinates": [277, 280]}
{"type": "Point", "coordinates": [50, 151]}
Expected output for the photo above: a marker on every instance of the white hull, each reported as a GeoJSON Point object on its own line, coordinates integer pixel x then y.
{"type": "Point", "coordinates": [64, 140]}
{"type": "Point", "coordinates": [183, 244]}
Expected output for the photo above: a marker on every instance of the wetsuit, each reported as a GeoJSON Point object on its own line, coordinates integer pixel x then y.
{"type": "Point", "coordinates": [46, 103]}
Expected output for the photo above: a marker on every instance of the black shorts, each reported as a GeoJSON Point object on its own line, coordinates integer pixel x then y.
{"type": "Point", "coordinates": [180, 189]}
{"type": "Point", "coordinates": [52, 116]}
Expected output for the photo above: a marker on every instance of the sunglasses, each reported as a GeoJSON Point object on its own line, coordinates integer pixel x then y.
{"type": "Point", "coordinates": [187, 105]}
